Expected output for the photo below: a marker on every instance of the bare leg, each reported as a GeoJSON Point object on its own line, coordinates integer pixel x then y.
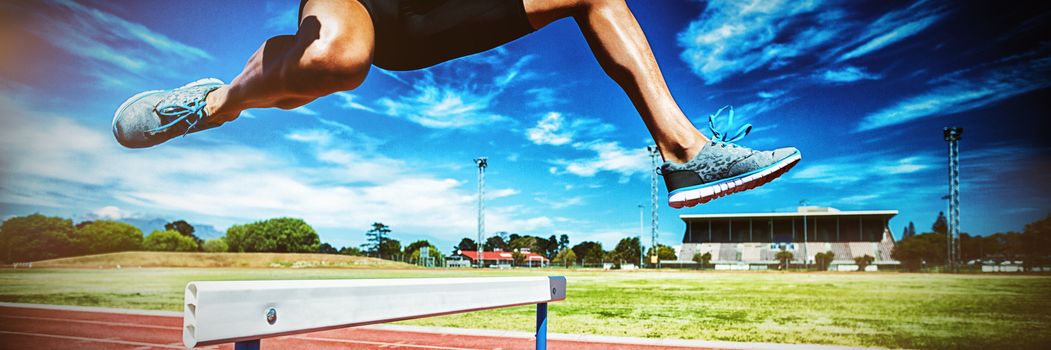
{"type": "Point", "coordinates": [623, 52]}
{"type": "Point", "coordinates": [331, 52]}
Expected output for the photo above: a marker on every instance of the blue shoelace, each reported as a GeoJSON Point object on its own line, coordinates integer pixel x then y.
{"type": "Point", "coordinates": [192, 113]}
{"type": "Point", "coordinates": [725, 137]}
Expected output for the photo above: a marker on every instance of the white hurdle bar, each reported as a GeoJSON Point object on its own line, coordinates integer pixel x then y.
{"type": "Point", "coordinates": [246, 311]}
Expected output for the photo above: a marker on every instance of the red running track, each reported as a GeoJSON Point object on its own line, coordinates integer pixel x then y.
{"type": "Point", "coordinates": [36, 328]}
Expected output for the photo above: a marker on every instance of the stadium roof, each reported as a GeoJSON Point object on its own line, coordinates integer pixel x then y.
{"type": "Point", "coordinates": [803, 211]}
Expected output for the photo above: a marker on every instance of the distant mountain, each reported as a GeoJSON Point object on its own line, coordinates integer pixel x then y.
{"type": "Point", "coordinates": [150, 224]}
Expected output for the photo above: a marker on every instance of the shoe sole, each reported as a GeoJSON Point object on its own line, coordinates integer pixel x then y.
{"type": "Point", "coordinates": [141, 95]}
{"type": "Point", "coordinates": [740, 183]}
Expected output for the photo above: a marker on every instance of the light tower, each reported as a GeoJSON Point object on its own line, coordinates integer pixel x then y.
{"type": "Point", "coordinates": [804, 204]}
{"type": "Point", "coordinates": [482, 162]}
{"type": "Point", "coordinates": [640, 236]}
{"type": "Point", "coordinates": [653, 151]}
{"type": "Point", "coordinates": [952, 136]}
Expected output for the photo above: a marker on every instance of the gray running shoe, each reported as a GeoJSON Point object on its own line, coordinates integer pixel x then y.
{"type": "Point", "coordinates": [723, 168]}
{"type": "Point", "coordinates": [153, 117]}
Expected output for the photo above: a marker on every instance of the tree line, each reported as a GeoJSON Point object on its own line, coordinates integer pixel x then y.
{"type": "Point", "coordinates": [1032, 246]}
{"type": "Point", "coordinates": [557, 249]}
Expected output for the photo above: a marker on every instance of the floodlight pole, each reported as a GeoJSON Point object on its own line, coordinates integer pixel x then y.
{"type": "Point", "coordinates": [482, 162]}
{"type": "Point", "coordinates": [953, 135]}
{"type": "Point", "coordinates": [653, 151]}
{"type": "Point", "coordinates": [640, 236]}
{"type": "Point", "coordinates": [803, 204]}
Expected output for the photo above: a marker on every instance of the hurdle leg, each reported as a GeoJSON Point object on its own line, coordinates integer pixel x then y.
{"type": "Point", "coordinates": [247, 345]}
{"type": "Point", "coordinates": [541, 326]}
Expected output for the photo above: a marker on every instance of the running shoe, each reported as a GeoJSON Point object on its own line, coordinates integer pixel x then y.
{"type": "Point", "coordinates": [153, 117]}
{"type": "Point", "coordinates": [723, 167]}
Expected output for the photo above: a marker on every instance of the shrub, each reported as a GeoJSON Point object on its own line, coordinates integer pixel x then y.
{"type": "Point", "coordinates": [864, 261]}
{"type": "Point", "coordinates": [36, 237]}
{"type": "Point", "coordinates": [105, 236]}
{"type": "Point", "coordinates": [217, 245]}
{"type": "Point", "coordinates": [169, 241]}
{"type": "Point", "coordinates": [281, 235]}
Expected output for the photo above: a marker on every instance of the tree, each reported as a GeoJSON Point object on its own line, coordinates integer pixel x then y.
{"type": "Point", "coordinates": [628, 250]}
{"type": "Point", "coordinates": [352, 251]}
{"type": "Point", "coordinates": [280, 235]}
{"type": "Point", "coordinates": [702, 259]}
{"type": "Point", "coordinates": [566, 257]}
{"type": "Point", "coordinates": [864, 261]}
{"type": "Point", "coordinates": [217, 245]}
{"type": "Point", "coordinates": [518, 257]}
{"type": "Point", "coordinates": [519, 242]}
{"type": "Point", "coordinates": [563, 241]}
{"type": "Point", "coordinates": [664, 252]}
{"type": "Point", "coordinates": [326, 248]}
{"type": "Point", "coordinates": [169, 241]}
{"type": "Point", "coordinates": [433, 253]}
{"type": "Point", "coordinates": [940, 225]}
{"type": "Point", "coordinates": [550, 247]}
{"type": "Point", "coordinates": [466, 244]}
{"type": "Point", "coordinates": [588, 253]}
{"type": "Point", "coordinates": [785, 257]}
{"type": "Point", "coordinates": [391, 249]}
{"type": "Point", "coordinates": [374, 239]}
{"type": "Point", "coordinates": [912, 229]}
{"type": "Point", "coordinates": [36, 237]}
{"type": "Point", "coordinates": [496, 242]}
{"type": "Point", "coordinates": [1037, 243]}
{"type": "Point", "coordinates": [920, 250]}
{"type": "Point", "coordinates": [415, 246]}
{"type": "Point", "coordinates": [183, 228]}
{"type": "Point", "coordinates": [824, 260]}
{"type": "Point", "coordinates": [105, 236]}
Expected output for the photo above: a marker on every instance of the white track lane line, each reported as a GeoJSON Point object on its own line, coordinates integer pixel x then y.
{"type": "Point", "coordinates": [104, 323]}
{"type": "Point", "coordinates": [94, 340]}
{"type": "Point", "coordinates": [395, 345]}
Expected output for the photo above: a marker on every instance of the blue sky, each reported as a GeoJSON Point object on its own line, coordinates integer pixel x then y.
{"type": "Point", "coordinates": [862, 88]}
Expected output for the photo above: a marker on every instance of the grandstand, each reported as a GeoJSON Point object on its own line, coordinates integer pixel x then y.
{"type": "Point", "coordinates": [749, 241]}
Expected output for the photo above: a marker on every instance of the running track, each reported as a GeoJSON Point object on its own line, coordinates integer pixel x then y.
{"type": "Point", "coordinates": [32, 327]}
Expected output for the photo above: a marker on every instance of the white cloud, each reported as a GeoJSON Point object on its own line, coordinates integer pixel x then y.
{"type": "Point", "coordinates": [561, 202]}
{"type": "Point", "coordinates": [112, 213]}
{"type": "Point", "coordinates": [555, 129]}
{"type": "Point", "coordinates": [303, 110]}
{"type": "Point", "coordinates": [111, 45]}
{"type": "Point", "coordinates": [284, 16]}
{"type": "Point", "coordinates": [609, 157]}
{"type": "Point", "coordinates": [452, 95]}
{"type": "Point", "coordinates": [544, 97]}
{"type": "Point", "coordinates": [735, 37]}
{"type": "Point", "coordinates": [848, 74]}
{"type": "Point", "coordinates": [848, 170]}
{"type": "Point", "coordinates": [350, 103]}
{"type": "Point", "coordinates": [962, 94]}
{"type": "Point", "coordinates": [336, 186]}
{"type": "Point", "coordinates": [732, 37]}
{"type": "Point", "coordinates": [894, 27]}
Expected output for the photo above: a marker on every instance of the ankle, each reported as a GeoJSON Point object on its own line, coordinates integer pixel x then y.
{"type": "Point", "coordinates": [682, 152]}
{"type": "Point", "coordinates": [217, 108]}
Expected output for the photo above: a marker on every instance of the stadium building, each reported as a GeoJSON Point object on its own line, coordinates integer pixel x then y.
{"type": "Point", "coordinates": [749, 241]}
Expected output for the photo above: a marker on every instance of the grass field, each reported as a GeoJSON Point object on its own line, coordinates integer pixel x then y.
{"type": "Point", "coordinates": [173, 259]}
{"type": "Point", "coordinates": [866, 309]}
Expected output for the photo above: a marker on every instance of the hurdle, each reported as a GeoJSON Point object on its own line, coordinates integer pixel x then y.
{"type": "Point", "coordinates": [244, 312]}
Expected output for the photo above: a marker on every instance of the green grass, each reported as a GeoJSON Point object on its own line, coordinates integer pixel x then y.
{"type": "Point", "coordinates": [893, 310]}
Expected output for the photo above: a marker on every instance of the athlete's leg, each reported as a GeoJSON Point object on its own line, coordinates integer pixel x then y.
{"type": "Point", "coordinates": [623, 52]}
{"type": "Point", "coordinates": [331, 52]}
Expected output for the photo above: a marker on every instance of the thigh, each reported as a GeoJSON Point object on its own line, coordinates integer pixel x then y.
{"type": "Point", "coordinates": [428, 32]}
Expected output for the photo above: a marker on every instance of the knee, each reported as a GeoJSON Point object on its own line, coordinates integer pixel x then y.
{"type": "Point", "coordinates": [329, 66]}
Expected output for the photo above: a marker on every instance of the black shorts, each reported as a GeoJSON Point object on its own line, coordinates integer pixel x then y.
{"type": "Point", "coordinates": [414, 34]}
